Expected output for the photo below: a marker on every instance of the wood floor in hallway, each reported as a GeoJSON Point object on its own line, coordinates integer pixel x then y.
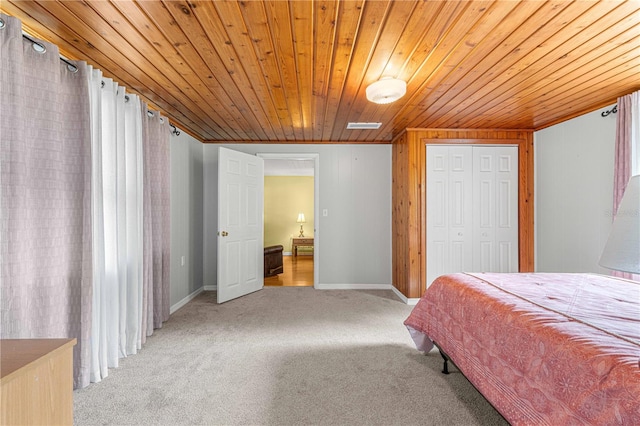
{"type": "Point", "coordinates": [298, 272]}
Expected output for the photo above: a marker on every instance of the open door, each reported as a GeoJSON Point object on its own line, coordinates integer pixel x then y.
{"type": "Point", "coordinates": [240, 222]}
{"type": "Point", "coordinates": [315, 158]}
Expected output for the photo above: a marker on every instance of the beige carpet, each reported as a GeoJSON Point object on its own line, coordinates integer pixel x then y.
{"type": "Point", "coordinates": [285, 356]}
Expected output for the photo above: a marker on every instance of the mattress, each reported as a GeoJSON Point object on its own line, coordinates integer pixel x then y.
{"type": "Point", "coordinates": [542, 348]}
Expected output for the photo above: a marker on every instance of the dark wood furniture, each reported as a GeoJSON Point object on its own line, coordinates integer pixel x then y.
{"type": "Point", "coordinates": [301, 242]}
{"type": "Point", "coordinates": [273, 260]}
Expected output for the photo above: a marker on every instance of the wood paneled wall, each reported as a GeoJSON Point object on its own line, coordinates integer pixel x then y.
{"type": "Point", "coordinates": [409, 198]}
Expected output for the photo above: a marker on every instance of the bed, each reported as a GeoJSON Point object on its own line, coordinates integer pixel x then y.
{"type": "Point", "coordinates": [542, 348]}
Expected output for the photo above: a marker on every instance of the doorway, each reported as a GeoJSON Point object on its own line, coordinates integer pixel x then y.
{"type": "Point", "coordinates": [292, 191]}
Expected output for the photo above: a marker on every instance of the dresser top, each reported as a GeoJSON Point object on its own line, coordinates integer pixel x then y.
{"type": "Point", "coordinates": [18, 353]}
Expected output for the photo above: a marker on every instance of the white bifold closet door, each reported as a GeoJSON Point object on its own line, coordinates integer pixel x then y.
{"type": "Point", "coordinates": [472, 209]}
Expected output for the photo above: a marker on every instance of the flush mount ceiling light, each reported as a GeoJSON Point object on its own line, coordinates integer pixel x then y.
{"type": "Point", "coordinates": [386, 90]}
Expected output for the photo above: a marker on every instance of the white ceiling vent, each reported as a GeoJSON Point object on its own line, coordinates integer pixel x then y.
{"type": "Point", "coordinates": [363, 126]}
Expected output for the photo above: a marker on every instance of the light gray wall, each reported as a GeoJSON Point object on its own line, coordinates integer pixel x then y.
{"type": "Point", "coordinates": [355, 188]}
{"type": "Point", "coordinates": [186, 216]}
{"type": "Point", "coordinates": [574, 192]}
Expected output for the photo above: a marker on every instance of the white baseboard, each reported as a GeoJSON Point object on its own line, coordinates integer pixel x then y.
{"type": "Point", "coordinates": [353, 286]}
{"type": "Point", "coordinates": [186, 300]}
{"type": "Point", "coordinates": [402, 297]}
{"type": "Point", "coordinates": [405, 299]}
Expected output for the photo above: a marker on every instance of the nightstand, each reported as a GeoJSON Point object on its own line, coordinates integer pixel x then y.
{"type": "Point", "coordinates": [301, 241]}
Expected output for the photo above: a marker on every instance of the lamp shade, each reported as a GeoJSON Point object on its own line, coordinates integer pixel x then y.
{"type": "Point", "coordinates": [301, 218]}
{"type": "Point", "coordinates": [622, 250]}
{"type": "Point", "coordinates": [386, 90]}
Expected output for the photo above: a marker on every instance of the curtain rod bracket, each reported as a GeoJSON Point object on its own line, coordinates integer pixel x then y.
{"type": "Point", "coordinates": [614, 110]}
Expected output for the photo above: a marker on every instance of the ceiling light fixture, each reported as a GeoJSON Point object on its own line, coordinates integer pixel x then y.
{"type": "Point", "coordinates": [386, 90]}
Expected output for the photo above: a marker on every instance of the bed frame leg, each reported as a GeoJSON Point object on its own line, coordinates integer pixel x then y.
{"type": "Point", "coordinates": [445, 366]}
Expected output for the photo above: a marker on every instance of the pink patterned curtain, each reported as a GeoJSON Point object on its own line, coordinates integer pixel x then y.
{"type": "Point", "coordinates": [69, 268]}
{"type": "Point", "coordinates": [45, 163]}
{"type": "Point", "coordinates": [156, 213]}
{"type": "Point", "coordinates": [626, 153]}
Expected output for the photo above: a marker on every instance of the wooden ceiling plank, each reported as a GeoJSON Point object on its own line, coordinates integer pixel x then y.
{"type": "Point", "coordinates": [562, 87]}
{"type": "Point", "coordinates": [228, 42]}
{"type": "Point", "coordinates": [45, 20]}
{"type": "Point", "coordinates": [204, 56]}
{"type": "Point", "coordinates": [385, 62]}
{"type": "Point", "coordinates": [598, 89]}
{"type": "Point", "coordinates": [483, 15]}
{"type": "Point", "coordinates": [605, 77]}
{"type": "Point", "coordinates": [183, 33]}
{"type": "Point", "coordinates": [629, 80]}
{"type": "Point", "coordinates": [351, 105]}
{"type": "Point", "coordinates": [561, 67]}
{"type": "Point", "coordinates": [544, 56]}
{"type": "Point", "coordinates": [517, 46]}
{"type": "Point", "coordinates": [324, 39]}
{"type": "Point", "coordinates": [482, 64]}
{"type": "Point", "coordinates": [592, 85]}
{"type": "Point", "coordinates": [412, 49]}
{"type": "Point", "coordinates": [243, 43]}
{"type": "Point", "coordinates": [160, 47]}
{"type": "Point", "coordinates": [522, 22]}
{"type": "Point", "coordinates": [566, 104]}
{"type": "Point", "coordinates": [115, 28]}
{"type": "Point", "coordinates": [303, 27]}
{"type": "Point", "coordinates": [349, 16]}
{"type": "Point", "coordinates": [280, 18]}
{"type": "Point", "coordinates": [459, 18]}
{"type": "Point", "coordinates": [264, 44]}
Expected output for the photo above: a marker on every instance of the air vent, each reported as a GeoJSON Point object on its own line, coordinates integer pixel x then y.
{"type": "Point", "coordinates": [363, 126]}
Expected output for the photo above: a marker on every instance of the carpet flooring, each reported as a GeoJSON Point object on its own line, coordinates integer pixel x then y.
{"type": "Point", "coordinates": [284, 356]}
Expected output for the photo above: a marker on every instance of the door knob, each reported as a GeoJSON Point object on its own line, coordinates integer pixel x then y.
{"type": "Point", "coordinates": [224, 233]}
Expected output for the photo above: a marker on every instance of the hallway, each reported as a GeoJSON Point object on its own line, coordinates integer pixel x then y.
{"type": "Point", "coordinates": [298, 272]}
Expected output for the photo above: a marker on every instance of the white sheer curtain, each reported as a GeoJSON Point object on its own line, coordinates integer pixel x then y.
{"type": "Point", "coordinates": [118, 224]}
{"type": "Point", "coordinates": [84, 208]}
{"type": "Point", "coordinates": [131, 223]}
{"type": "Point", "coordinates": [45, 192]}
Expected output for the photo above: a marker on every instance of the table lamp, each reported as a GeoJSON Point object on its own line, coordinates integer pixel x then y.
{"type": "Point", "coordinates": [301, 221]}
{"type": "Point", "coordinates": [622, 250]}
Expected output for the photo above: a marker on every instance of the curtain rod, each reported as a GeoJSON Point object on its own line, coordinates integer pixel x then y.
{"type": "Point", "coordinates": [41, 48]}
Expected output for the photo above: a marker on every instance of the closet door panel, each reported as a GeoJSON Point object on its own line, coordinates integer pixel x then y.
{"type": "Point", "coordinates": [484, 207]}
{"type": "Point", "coordinates": [486, 257]}
{"type": "Point", "coordinates": [437, 213]}
{"type": "Point", "coordinates": [506, 230]}
{"type": "Point", "coordinates": [460, 208]}
{"type": "Point", "coordinates": [506, 257]}
{"type": "Point", "coordinates": [472, 209]}
{"type": "Point", "coordinates": [449, 215]}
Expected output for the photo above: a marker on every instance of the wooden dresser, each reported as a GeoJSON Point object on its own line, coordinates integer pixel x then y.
{"type": "Point", "coordinates": [36, 381]}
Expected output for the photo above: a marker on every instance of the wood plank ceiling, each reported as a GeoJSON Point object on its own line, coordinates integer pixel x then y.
{"type": "Point", "coordinates": [296, 71]}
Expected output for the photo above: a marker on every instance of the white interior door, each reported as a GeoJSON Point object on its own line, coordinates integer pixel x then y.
{"type": "Point", "coordinates": [495, 179]}
{"type": "Point", "coordinates": [240, 223]}
{"type": "Point", "coordinates": [449, 210]}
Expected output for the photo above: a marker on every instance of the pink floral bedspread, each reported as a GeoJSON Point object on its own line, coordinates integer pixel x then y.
{"type": "Point", "coordinates": [555, 349]}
